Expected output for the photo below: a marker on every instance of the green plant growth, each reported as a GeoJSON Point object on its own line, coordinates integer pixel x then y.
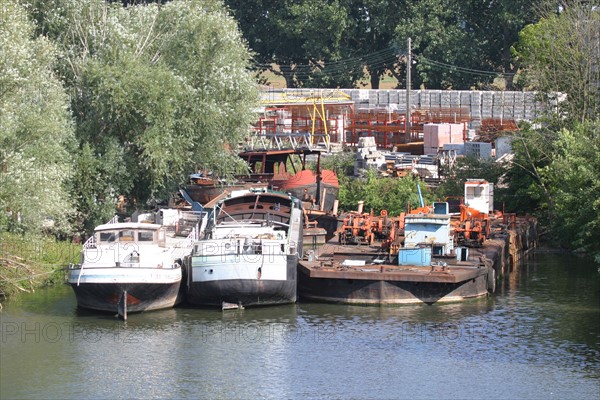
{"type": "Point", "coordinates": [340, 163]}
{"type": "Point", "coordinates": [157, 91]}
{"type": "Point", "coordinates": [31, 261]}
{"type": "Point", "coordinates": [573, 179]}
{"type": "Point", "coordinates": [35, 129]}
{"type": "Point", "coordinates": [393, 195]}
{"type": "Point", "coordinates": [559, 57]}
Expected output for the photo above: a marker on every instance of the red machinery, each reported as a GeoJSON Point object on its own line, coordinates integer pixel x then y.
{"type": "Point", "coordinates": [364, 228]}
{"type": "Point", "coordinates": [473, 228]}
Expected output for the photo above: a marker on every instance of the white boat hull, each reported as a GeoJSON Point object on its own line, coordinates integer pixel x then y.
{"type": "Point", "coordinates": [147, 288]}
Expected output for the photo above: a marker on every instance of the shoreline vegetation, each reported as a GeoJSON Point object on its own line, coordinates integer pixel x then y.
{"type": "Point", "coordinates": [28, 262]}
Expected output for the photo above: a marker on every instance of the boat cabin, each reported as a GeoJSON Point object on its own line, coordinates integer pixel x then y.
{"type": "Point", "coordinates": [271, 242]}
{"type": "Point", "coordinates": [479, 195]}
{"type": "Point", "coordinates": [427, 235]}
{"type": "Point", "coordinates": [139, 233]}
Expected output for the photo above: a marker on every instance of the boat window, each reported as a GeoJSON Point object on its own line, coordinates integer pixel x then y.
{"type": "Point", "coordinates": [145, 236]}
{"type": "Point", "coordinates": [475, 192]}
{"type": "Point", "coordinates": [126, 236]}
{"type": "Point", "coordinates": [107, 236]}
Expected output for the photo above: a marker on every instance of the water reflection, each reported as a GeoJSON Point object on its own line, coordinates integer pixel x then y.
{"type": "Point", "coordinates": [537, 337]}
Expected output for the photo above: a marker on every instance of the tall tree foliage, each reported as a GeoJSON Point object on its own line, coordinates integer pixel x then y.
{"type": "Point", "coordinates": [494, 27]}
{"type": "Point", "coordinates": [560, 57]}
{"type": "Point", "coordinates": [574, 180]}
{"type": "Point", "coordinates": [35, 128]}
{"type": "Point", "coordinates": [296, 39]}
{"type": "Point", "coordinates": [316, 43]}
{"type": "Point", "coordinates": [528, 192]}
{"type": "Point", "coordinates": [464, 44]}
{"type": "Point", "coordinates": [561, 54]}
{"type": "Point", "coordinates": [371, 37]}
{"type": "Point", "coordinates": [157, 91]}
{"type": "Point", "coordinates": [438, 42]}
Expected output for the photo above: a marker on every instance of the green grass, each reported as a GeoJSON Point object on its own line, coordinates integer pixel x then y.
{"type": "Point", "coordinates": [31, 261]}
{"type": "Point", "coordinates": [387, 82]}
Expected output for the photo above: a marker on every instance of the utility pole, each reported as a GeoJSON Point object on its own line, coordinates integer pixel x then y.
{"type": "Point", "coordinates": [408, 85]}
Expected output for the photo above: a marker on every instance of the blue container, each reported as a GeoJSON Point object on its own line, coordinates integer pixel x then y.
{"type": "Point", "coordinates": [420, 257]}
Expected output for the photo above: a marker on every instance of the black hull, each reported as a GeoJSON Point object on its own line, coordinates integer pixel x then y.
{"type": "Point", "coordinates": [140, 296]}
{"type": "Point", "coordinates": [381, 292]}
{"type": "Point", "coordinates": [247, 292]}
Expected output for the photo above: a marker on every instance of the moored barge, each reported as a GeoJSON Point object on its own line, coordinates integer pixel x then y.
{"type": "Point", "coordinates": [379, 260]}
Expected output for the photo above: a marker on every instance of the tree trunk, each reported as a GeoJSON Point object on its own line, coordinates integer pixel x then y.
{"type": "Point", "coordinates": [288, 75]}
{"type": "Point", "coordinates": [506, 57]}
{"type": "Point", "coordinates": [374, 80]}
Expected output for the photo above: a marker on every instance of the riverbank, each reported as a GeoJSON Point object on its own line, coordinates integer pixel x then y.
{"type": "Point", "coordinates": [28, 262]}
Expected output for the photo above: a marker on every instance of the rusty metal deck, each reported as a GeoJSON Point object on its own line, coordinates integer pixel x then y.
{"type": "Point", "coordinates": [365, 275]}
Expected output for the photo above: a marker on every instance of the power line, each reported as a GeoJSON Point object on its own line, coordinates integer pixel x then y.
{"type": "Point", "coordinates": [387, 53]}
{"type": "Point", "coordinates": [376, 60]}
{"type": "Point", "coordinates": [471, 71]}
{"type": "Point", "coordinates": [373, 60]}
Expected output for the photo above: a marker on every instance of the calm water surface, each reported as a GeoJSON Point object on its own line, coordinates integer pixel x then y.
{"type": "Point", "coordinates": [538, 337]}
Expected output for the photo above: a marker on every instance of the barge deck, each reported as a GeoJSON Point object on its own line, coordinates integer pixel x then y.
{"type": "Point", "coordinates": [359, 275]}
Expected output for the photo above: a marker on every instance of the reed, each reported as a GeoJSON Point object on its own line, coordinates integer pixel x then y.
{"type": "Point", "coordinates": [28, 262]}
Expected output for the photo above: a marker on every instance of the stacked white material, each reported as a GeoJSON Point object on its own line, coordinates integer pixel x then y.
{"type": "Point", "coordinates": [367, 155]}
{"type": "Point", "coordinates": [480, 150]}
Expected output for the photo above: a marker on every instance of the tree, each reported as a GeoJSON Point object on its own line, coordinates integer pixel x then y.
{"type": "Point", "coordinates": [574, 180]}
{"type": "Point", "coordinates": [561, 55]}
{"type": "Point", "coordinates": [463, 44]}
{"type": "Point", "coordinates": [560, 58]}
{"type": "Point", "coordinates": [296, 39]}
{"type": "Point", "coordinates": [371, 35]}
{"type": "Point", "coordinates": [494, 27]}
{"type": "Point", "coordinates": [316, 43]}
{"type": "Point", "coordinates": [35, 129]}
{"type": "Point", "coordinates": [438, 42]}
{"type": "Point", "coordinates": [158, 91]}
{"type": "Point", "coordinates": [527, 191]}
{"type": "Point", "coordinates": [392, 195]}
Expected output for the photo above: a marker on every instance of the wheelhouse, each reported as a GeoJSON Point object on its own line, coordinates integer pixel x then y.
{"type": "Point", "coordinates": [139, 233]}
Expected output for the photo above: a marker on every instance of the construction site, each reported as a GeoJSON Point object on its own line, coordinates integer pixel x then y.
{"type": "Point", "coordinates": [332, 119]}
{"type": "Point", "coordinates": [394, 131]}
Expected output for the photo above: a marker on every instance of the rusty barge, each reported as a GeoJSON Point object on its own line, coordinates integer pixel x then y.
{"type": "Point", "coordinates": [284, 170]}
{"type": "Point", "coordinates": [426, 256]}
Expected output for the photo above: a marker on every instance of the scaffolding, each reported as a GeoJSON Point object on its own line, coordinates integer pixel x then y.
{"type": "Point", "coordinates": [320, 118]}
{"type": "Point", "coordinates": [492, 128]}
{"type": "Point", "coordinates": [387, 127]}
{"type": "Point", "coordinates": [306, 119]}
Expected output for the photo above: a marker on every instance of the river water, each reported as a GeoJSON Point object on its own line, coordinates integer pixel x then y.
{"type": "Point", "coordinates": [537, 337]}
